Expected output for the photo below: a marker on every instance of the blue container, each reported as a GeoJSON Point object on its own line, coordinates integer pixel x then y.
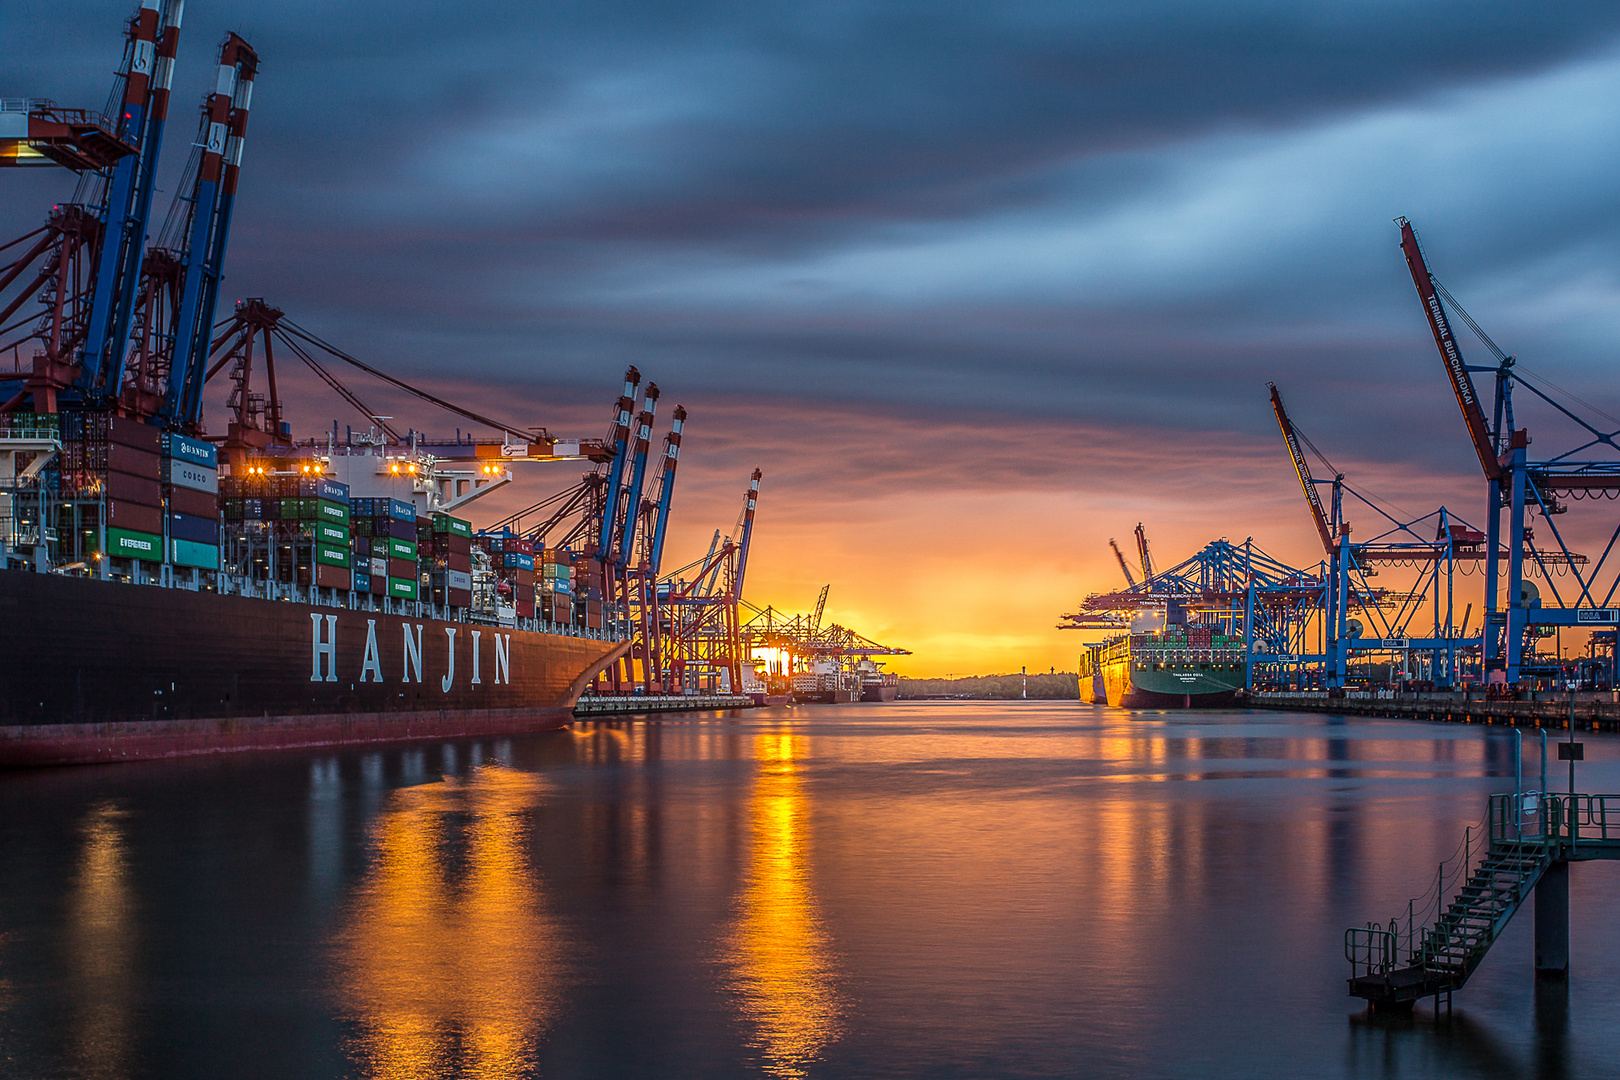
{"type": "Point", "coordinates": [401, 511]}
{"type": "Point", "coordinates": [516, 560]}
{"type": "Point", "coordinates": [195, 451]}
{"type": "Point", "coordinates": [198, 530]}
{"type": "Point", "coordinates": [331, 491]}
{"type": "Point", "coordinates": [394, 527]}
{"type": "Point", "coordinates": [362, 582]}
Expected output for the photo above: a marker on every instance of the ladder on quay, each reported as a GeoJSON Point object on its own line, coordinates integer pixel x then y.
{"type": "Point", "coordinates": [1532, 838]}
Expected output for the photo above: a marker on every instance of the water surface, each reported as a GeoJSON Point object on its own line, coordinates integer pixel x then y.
{"type": "Point", "coordinates": [954, 889]}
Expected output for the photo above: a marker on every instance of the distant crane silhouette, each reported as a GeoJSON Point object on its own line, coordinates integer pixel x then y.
{"type": "Point", "coordinates": [1130, 582]}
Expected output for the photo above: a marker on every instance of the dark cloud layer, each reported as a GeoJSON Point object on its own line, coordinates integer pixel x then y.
{"type": "Point", "coordinates": [757, 200]}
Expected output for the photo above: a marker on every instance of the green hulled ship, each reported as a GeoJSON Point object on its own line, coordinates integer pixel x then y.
{"type": "Point", "coordinates": [1179, 667]}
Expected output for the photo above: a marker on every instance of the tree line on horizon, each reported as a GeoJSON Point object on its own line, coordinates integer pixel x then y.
{"type": "Point", "coordinates": [1062, 686]}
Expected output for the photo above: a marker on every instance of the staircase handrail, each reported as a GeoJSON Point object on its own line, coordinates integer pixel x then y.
{"type": "Point", "coordinates": [1371, 949]}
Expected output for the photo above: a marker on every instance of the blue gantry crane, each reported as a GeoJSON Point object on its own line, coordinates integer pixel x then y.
{"type": "Point", "coordinates": [1586, 469]}
{"type": "Point", "coordinates": [206, 215]}
{"type": "Point", "coordinates": [1360, 618]}
{"type": "Point", "coordinates": [153, 42]}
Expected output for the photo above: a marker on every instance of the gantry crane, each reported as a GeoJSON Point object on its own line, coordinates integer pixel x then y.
{"type": "Point", "coordinates": [1587, 470]}
{"type": "Point", "coordinates": [87, 256]}
{"type": "Point", "coordinates": [1434, 544]}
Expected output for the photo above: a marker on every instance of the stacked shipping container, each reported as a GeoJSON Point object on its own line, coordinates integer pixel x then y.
{"type": "Point", "coordinates": [155, 495]}
{"type": "Point", "coordinates": [386, 537]}
{"type": "Point", "coordinates": [304, 519]}
{"type": "Point", "coordinates": [556, 585]}
{"type": "Point", "coordinates": [446, 554]}
{"type": "Point", "coordinates": [191, 501]}
{"type": "Point", "coordinates": [512, 561]}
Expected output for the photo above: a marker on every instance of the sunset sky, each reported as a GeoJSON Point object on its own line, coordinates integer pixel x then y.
{"type": "Point", "coordinates": [978, 286]}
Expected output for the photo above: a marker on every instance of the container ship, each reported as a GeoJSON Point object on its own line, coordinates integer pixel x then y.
{"type": "Point", "coordinates": [164, 591]}
{"type": "Point", "coordinates": [877, 684]}
{"type": "Point", "coordinates": [1182, 666]}
{"type": "Point", "coordinates": [826, 683]}
{"type": "Point", "coordinates": [159, 601]}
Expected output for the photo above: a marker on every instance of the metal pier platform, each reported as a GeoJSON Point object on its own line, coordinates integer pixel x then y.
{"type": "Point", "coordinates": [1531, 840]}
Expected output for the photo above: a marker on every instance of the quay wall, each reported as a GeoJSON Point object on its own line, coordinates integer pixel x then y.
{"type": "Point", "coordinates": [1599, 711]}
{"type": "Point", "coordinates": [644, 703]}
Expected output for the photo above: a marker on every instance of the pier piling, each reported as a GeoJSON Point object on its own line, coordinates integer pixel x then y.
{"type": "Point", "coordinates": [1552, 922]}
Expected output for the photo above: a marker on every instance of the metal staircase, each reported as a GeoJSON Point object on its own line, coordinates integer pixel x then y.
{"type": "Point", "coordinates": [1480, 912]}
{"type": "Point", "coordinates": [1394, 964]}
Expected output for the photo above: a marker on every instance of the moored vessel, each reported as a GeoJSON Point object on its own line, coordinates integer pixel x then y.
{"type": "Point", "coordinates": [826, 683]}
{"type": "Point", "coordinates": [876, 684]}
{"type": "Point", "coordinates": [1180, 666]}
{"type": "Point", "coordinates": [112, 671]}
{"type": "Point", "coordinates": [161, 598]}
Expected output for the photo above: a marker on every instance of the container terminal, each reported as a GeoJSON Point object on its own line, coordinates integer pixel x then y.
{"type": "Point", "coordinates": [1375, 629]}
{"type": "Point", "coordinates": [175, 589]}
{"type": "Point", "coordinates": [800, 659]}
{"type": "Point", "coordinates": [1435, 611]}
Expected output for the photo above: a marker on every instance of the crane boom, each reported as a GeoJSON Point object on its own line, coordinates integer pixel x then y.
{"type": "Point", "coordinates": [618, 438]}
{"type": "Point", "coordinates": [153, 38]}
{"type": "Point", "coordinates": [750, 500]}
{"type": "Point", "coordinates": [1302, 469]}
{"type": "Point", "coordinates": [1142, 551]}
{"type": "Point", "coordinates": [638, 474]}
{"type": "Point", "coordinates": [1130, 582]}
{"type": "Point", "coordinates": [1462, 384]}
{"type": "Point", "coordinates": [666, 489]}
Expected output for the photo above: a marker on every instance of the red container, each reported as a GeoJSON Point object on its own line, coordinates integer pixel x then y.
{"type": "Point", "coordinates": [127, 459]}
{"type": "Point", "coordinates": [594, 621]}
{"type": "Point", "coordinates": [121, 487]}
{"type": "Point", "coordinates": [134, 434]}
{"type": "Point", "coordinates": [456, 545]}
{"type": "Point", "coordinates": [333, 577]}
{"type": "Point", "coordinates": [134, 517]}
{"type": "Point", "coordinates": [196, 503]}
{"type": "Point", "coordinates": [460, 597]}
{"type": "Point", "coordinates": [379, 584]}
{"type": "Point", "coordinates": [459, 561]}
{"type": "Point", "coordinates": [523, 577]}
{"type": "Point", "coordinates": [402, 568]}
{"type": "Point", "coordinates": [525, 608]}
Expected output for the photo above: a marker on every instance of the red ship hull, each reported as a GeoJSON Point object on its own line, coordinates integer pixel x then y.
{"type": "Point", "coordinates": [100, 671]}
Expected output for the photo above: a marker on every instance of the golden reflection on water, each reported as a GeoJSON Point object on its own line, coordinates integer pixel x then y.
{"type": "Point", "coordinates": [779, 954]}
{"type": "Point", "coordinates": [100, 943]}
{"type": "Point", "coordinates": [450, 963]}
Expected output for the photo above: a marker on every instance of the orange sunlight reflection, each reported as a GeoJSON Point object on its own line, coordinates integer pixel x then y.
{"type": "Point", "coordinates": [779, 954]}
{"type": "Point", "coordinates": [101, 941]}
{"type": "Point", "coordinates": [449, 961]}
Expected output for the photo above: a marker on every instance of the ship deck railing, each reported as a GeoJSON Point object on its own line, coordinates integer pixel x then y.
{"type": "Point", "coordinates": [192, 579]}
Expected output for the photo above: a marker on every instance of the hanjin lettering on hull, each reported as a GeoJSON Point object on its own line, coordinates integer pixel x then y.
{"type": "Point", "coordinates": [324, 656]}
